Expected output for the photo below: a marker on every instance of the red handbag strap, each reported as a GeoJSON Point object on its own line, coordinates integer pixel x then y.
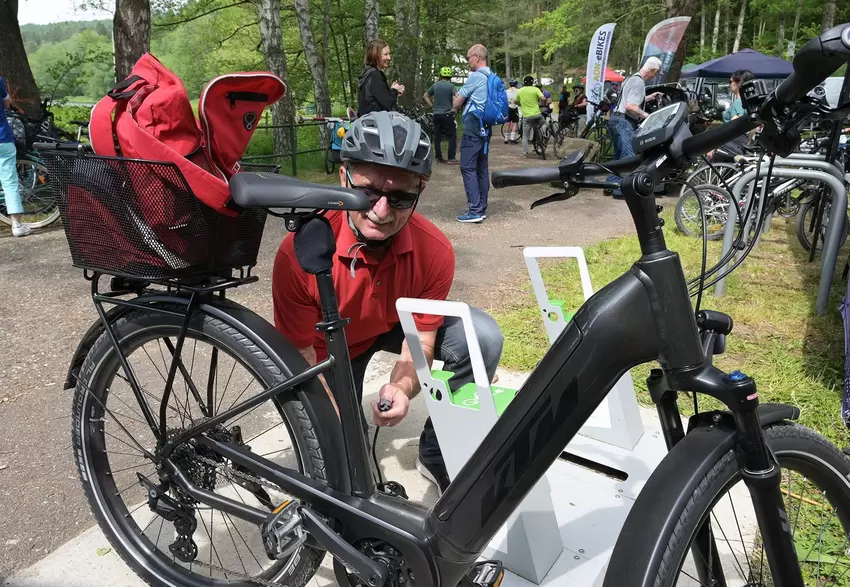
{"type": "Point", "coordinates": [101, 130]}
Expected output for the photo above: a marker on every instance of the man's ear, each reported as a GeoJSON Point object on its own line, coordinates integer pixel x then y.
{"type": "Point", "coordinates": [342, 179]}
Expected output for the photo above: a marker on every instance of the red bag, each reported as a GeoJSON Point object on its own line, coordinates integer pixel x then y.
{"type": "Point", "coordinates": [149, 116]}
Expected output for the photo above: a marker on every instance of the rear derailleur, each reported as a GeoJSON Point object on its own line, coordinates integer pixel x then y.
{"type": "Point", "coordinates": [183, 548]}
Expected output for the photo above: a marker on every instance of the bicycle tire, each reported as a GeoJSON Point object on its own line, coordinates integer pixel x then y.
{"type": "Point", "coordinates": [329, 162]}
{"type": "Point", "coordinates": [794, 446]}
{"type": "Point", "coordinates": [804, 221]}
{"type": "Point", "coordinates": [797, 448]}
{"type": "Point", "coordinates": [298, 410]}
{"type": "Point", "coordinates": [49, 210]}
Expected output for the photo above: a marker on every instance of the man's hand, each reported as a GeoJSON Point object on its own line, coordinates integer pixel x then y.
{"type": "Point", "coordinates": [400, 404]}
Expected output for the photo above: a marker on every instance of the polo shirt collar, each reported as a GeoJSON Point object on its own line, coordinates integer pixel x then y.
{"type": "Point", "coordinates": [402, 243]}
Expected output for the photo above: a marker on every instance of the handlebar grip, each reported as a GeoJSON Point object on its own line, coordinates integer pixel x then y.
{"type": "Point", "coordinates": [814, 62]}
{"type": "Point", "coordinates": [527, 176]}
{"type": "Point", "coordinates": [715, 137]}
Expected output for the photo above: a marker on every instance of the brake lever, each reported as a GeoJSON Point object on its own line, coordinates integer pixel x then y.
{"type": "Point", "coordinates": [569, 192]}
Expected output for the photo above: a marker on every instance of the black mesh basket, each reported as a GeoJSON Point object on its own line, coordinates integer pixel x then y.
{"type": "Point", "coordinates": [259, 167]}
{"type": "Point", "coordinates": [140, 219]}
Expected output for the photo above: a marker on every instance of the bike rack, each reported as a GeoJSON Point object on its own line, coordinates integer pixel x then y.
{"type": "Point", "coordinates": [617, 419]}
{"type": "Point", "coordinates": [819, 170]}
{"type": "Point", "coordinates": [565, 541]}
{"type": "Point", "coordinates": [530, 541]}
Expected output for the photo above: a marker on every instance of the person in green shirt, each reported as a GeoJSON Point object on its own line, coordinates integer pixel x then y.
{"type": "Point", "coordinates": [528, 99]}
{"type": "Point", "coordinates": [735, 110]}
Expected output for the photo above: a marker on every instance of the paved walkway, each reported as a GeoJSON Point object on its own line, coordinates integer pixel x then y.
{"type": "Point", "coordinates": [46, 308]}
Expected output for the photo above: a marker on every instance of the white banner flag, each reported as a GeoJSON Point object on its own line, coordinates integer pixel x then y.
{"type": "Point", "coordinates": [597, 63]}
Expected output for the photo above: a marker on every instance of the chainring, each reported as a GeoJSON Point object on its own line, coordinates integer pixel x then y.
{"type": "Point", "coordinates": [400, 575]}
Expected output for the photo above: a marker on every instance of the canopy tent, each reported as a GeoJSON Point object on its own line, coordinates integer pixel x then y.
{"type": "Point", "coordinates": [610, 76]}
{"type": "Point", "coordinates": [761, 65]}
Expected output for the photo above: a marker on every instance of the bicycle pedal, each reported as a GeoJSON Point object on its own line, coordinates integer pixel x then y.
{"type": "Point", "coordinates": [486, 574]}
{"type": "Point", "coordinates": [283, 531]}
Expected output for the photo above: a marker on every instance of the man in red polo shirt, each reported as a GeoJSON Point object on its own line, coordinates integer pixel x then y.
{"type": "Point", "coordinates": [383, 254]}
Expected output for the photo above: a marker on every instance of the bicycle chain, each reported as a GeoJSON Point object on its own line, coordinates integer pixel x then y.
{"type": "Point", "coordinates": [247, 477]}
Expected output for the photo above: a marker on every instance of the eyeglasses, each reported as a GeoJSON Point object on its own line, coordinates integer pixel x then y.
{"type": "Point", "coordinates": [397, 199]}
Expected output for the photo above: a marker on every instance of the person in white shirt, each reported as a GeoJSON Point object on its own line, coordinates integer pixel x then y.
{"type": "Point", "coordinates": [513, 114]}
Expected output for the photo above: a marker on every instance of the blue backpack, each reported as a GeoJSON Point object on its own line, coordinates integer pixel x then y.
{"type": "Point", "coordinates": [496, 107]}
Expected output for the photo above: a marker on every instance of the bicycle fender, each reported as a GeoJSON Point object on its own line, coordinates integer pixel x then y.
{"type": "Point", "coordinates": [653, 517]}
{"type": "Point", "coordinates": [97, 328]}
{"type": "Point", "coordinates": [87, 342]}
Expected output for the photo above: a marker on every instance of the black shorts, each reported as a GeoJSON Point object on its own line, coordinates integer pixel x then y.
{"type": "Point", "coordinates": [513, 114]}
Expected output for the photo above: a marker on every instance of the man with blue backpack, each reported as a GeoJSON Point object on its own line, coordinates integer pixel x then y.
{"type": "Point", "coordinates": [485, 104]}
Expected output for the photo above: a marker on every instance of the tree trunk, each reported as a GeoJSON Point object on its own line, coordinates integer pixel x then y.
{"type": "Point", "coordinates": [828, 15]}
{"type": "Point", "coordinates": [702, 27]}
{"type": "Point", "coordinates": [796, 24]}
{"type": "Point", "coordinates": [131, 31]}
{"type": "Point", "coordinates": [14, 66]}
{"type": "Point", "coordinates": [507, 55]}
{"type": "Point", "coordinates": [326, 34]}
{"type": "Point", "coordinates": [371, 20]}
{"type": "Point", "coordinates": [737, 44]}
{"type": "Point", "coordinates": [401, 53]}
{"type": "Point", "coordinates": [283, 112]}
{"type": "Point", "coordinates": [351, 85]}
{"type": "Point", "coordinates": [415, 70]}
{"type": "Point", "coordinates": [726, 28]}
{"type": "Point", "coordinates": [341, 71]}
{"type": "Point", "coordinates": [716, 32]}
{"type": "Point", "coordinates": [780, 36]}
{"type": "Point", "coordinates": [314, 64]}
{"type": "Point", "coordinates": [676, 8]}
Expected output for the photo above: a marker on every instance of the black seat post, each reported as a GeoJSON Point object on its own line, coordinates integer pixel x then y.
{"type": "Point", "coordinates": [315, 246]}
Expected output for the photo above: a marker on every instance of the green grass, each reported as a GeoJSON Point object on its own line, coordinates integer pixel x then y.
{"type": "Point", "coordinates": [795, 356]}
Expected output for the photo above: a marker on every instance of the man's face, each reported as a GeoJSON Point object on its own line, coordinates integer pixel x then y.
{"type": "Point", "coordinates": [383, 184]}
{"type": "Point", "coordinates": [473, 59]}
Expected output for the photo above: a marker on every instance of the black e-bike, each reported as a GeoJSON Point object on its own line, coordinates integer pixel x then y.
{"type": "Point", "coordinates": [189, 496]}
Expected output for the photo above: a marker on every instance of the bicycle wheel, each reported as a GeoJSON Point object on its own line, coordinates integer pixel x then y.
{"type": "Point", "coordinates": [705, 174]}
{"type": "Point", "coordinates": [558, 141]}
{"type": "Point", "coordinates": [817, 497]}
{"type": "Point", "coordinates": [40, 208]}
{"type": "Point", "coordinates": [806, 224]}
{"type": "Point", "coordinates": [329, 162]}
{"type": "Point", "coordinates": [715, 203]}
{"type": "Point", "coordinates": [110, 432]}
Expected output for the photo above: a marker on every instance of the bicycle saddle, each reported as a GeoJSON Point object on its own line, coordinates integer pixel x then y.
{"type": "Point", "coordinates": [269, 190]}
{"type": "Point", "coordinates": [82, 123]}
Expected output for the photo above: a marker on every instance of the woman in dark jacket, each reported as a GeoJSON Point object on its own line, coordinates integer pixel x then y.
{"type": "Point", "coordinates": [375, 94]}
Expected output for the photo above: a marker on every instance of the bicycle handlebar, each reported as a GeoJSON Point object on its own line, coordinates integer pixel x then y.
{"type": "Point", "coordinates": [716, 137]}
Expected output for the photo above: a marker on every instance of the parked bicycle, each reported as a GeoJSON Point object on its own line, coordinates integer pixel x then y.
{"type": "Point", "coordinates": [197, 426]}
{"type": "Point", "coordinates": [40, 208]}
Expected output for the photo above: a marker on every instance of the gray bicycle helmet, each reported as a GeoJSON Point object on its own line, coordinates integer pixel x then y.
{"type": "Point", "coordinates": [391, 139]}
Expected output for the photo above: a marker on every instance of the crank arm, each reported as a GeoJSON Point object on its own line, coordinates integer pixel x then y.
{"type": "Point", "coordinates": [368, 571]}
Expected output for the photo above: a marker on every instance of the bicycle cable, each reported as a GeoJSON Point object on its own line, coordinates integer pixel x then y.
{"type": "Point", "coordinates": [751, 244]}
{"type": "Point", "coordinates": [742, 220]}
{"type": "Point", "coordinates": [375, 456]}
